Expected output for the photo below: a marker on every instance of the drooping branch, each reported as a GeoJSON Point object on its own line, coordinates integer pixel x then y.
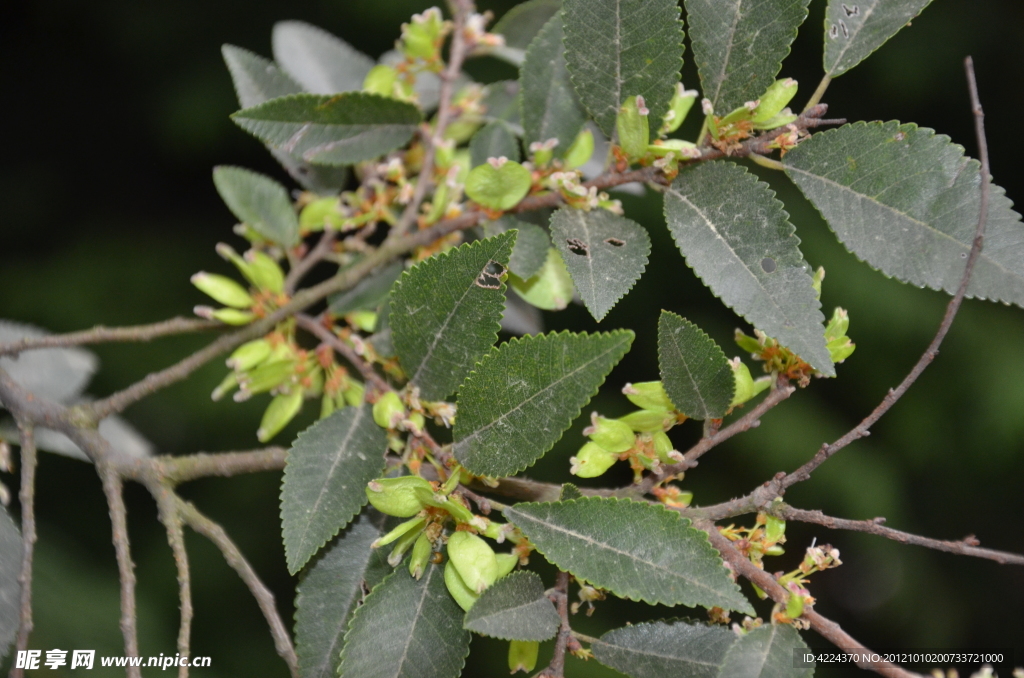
{"type": "Point", "coordinates": [827, 628]}
{"type": "Point", "coordinates": [215, 533]}
{"type": "Point", "coordinates": [27, 498]}
{"type": "Point", "coordinates": [101, 334]}
{"type": "Point", "coordinates": [168, 514]}
{"type": "Point", "coordinates": [113, 489]}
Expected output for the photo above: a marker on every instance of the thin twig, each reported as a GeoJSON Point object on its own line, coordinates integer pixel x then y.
{"type": "Point", "coordinates": [215, 533]}
{"type": "Point", "coordinates": [825, 627]}
{"type": "Point", "coordinates": [326, 336]}
{"type": "Point", "coordinates": [304, 265]}
{"type": "Point", "coordinates": [101, 334]}
{"type": "Point", "coordinates": [819, 92]}
{"type": "Point", "coordinates": [968, 546]}
{"type": "Point", "coordinates": [168, 514]}
{"type": "Point", "coordinates": [112, 488]}
{"type": "Point", "coordinates": [27, 498]}
{"type": "Point", "coordinates": [863, 428]}
{"type": "Point", "coordinates": [175, 470]}
{"type": "Point", "coordinates": [556, 669]}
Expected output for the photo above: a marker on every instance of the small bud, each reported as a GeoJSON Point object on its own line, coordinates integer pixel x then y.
{"type": "Point", "coordinates": [362, 320]}
{"type": "Point", "coordinates": [403, 544]}
{"type": "Point", "coordinates": [663, 447]}
{"type": "Point", "coordinates": [223, 290]}
{"type": "Point", "coordinates": [774, 551]}
{"type": "Point", "coordinates": [648, 395]}
{"type": "Point", "coordinates": [774, 530]}
{"type": "Point", "coordinates": [678, 108]}
{"type": "Point", "coordinates": [266, 274]}
{"type": "Point", "coordinates": [388, 410]}
{"type": "Point", "coordinates": [249, 355]}
{"type": "Point", "coordinates": [580, 151]}
{"type": "Point", "coordinates": [543, 152]}
{"type": "Point", "coordinates": [327, 406]}
{"type": "Point", "coordinates": [706, 107]}
{"type": "Point", "coordinates": [522, 655]}
{"type": "Point", "coordinates": [474, 560]}
{"type": "Point", "coordinates": [320, 214]}
{"type": "Point", "coordinates": [795, 604]}
{"type": "Point", "coordinates": [677, 147]}
{"type": "Point", "coordinates": [267, 376]}
{"type": "Point", "coordinates": [462, 594]}
{"type": "Point", "coordinates": [421, 38]}
{"type": "Point", "coordinates": [281, 410]}
{"type": "Point", "coordinates": [381, 80]}
{"type": "Point", "coordinates": [506, 563]}
{"type": "Point", "coordinates": [776, 97]}
{"type": "Point", "coordinates": [421, 552]}
{"type": "Point", "coordinates": [225, 387]}
{"type": "Point", "coordinates": [611, 434]}
{"type": "Point", "coordinates": [748, 343]}
{"type": "Point", "coordinates": [592, 461]}
{"type": "Point", "coordinates": [399, 497]}
{"type": "Point", "coordinates": [632, 127]}
{"type": "Point", "coordinates": [228, 316]}
{"type": "Point", "coordinates": [649, 421]}
{"type": "Point", "coordinates": [402, 529]}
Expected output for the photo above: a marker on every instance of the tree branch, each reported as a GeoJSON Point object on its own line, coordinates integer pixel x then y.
{"type": "Point", "coordinates": [968, 546]}
{"type": "Point", "coordinates": [215, 533]}
{"type": "Point", "coordinates": [827, 628]}
{"type": "Point", "coordinates": [316, 328]}
{"type": "Point", "coordinates": [113, 488]}
{"type": "Point", "coordinates": [556, 669]}
{"type": "Point", "coordinates": [863, 428]}
{"type": "Point", "coordinates": [168, 513]}
{"type": "Point", "coordinates": [101, 334]}
{"type": "Point", "coordinates": [26, 497]}
{"type": "Point", "coordinates": [176, 470]}
{"type": "Point", "coordinates": [306, 263]}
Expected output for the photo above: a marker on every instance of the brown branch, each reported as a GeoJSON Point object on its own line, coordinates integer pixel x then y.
{"type": "Point", "coordinates": [176, 470]}
{"type": "Point", "coordinates": [26, 496]}
{"type": "Point", "coordinates": [215, 533]}
{"type": "Point", "coordinates": [863, 428]}
{"type": "Point", "coordinates": [304, 265]}
{"type": "Point", "coordinates": [113, 488]}
{"type": "Point", "coordinates": [556, 669]}
{"type": "Point", "coordinates": [168, 514]}
{"type": "Point", "coordinates": [101, 334]}
{"type": "Point", "coordinates": [827, 628]}
{"type": "Point", "coordinates": [317, 328]}
{"type": "Point", "coordinates": [968, 546]}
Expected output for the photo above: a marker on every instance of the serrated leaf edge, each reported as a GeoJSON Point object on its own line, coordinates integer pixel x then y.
{"type": "Point", "coordinates": [519, 575]}
{"type": "Point", "coordinates": [686, 363]}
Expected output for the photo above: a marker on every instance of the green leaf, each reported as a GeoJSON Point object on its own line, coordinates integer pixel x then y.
{"type": "Point", "coordinates": [738, 239]}
{"type": "Point", "coordinates": [521, 24]}
{"type": "Point", "coordinates": [524, 394]}
{"type": "Point", "coordinates": [550, 107]}
{"type": "Point", "coordinates": [622, 48]}
{"type": "Point", "coordinates": [694, 370]}
{"type": "Point", "coordinates": [406, 629]}
{"type": "Point", "coordinates": [569, 491]}
{"type": "Point", "coordinates": [499, 186]}
{"type": "Point", "coordinates": [446, 312]}
{"type": "Point", "coordinates": [766, 652]}
{"type": "Point", "coordinates": [329, 592]}
{"type": "Point", "coordinates": [739, 45]}
{"type": "Point", "coordinates": [259, 201]}
{"type": "Point", "coordinates": [325, 479]}
{"type": "Point", "coordinates": [659, 649]}
{"type": "Point", "coordinates": [256, 79]}
{"type": "Point", "coordinates": [369, 293]}
{"type": "Point", "coordinates": [550, 288]}
{"type": "Point", "coordinates": [635, 550]}
{"type": "Point", "coordinates": [856, 28]}
{"type": "Point", "coordinates": [605, 254]}
{"type": "Point", "coordinates": [58, 374]}
{"type": "Point", "coordinates": [514, 608]}
{"type": "Point", "coordinates": [531, 248]}
{"type": "Point", "coordinates": [10, 587]}
{"type": "Point", "coordinates": [320, 62]}
{"type": "Point", "coordinates": [501, 102]}
{"type": "Point", "coordinates": [332, 130]}
{"type": "Point", "coordinates": [493, 140]}
{"type": "Point", "coordinates": [905, 200]}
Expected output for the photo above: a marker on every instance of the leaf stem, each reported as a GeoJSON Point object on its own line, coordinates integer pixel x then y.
{"type": "Point", "coordinates": [818, 93]}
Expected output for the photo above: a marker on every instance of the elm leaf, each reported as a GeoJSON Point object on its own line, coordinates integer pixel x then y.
{"type": "Point", "coordinates": [768, 651]}
{"type": "Point", "coordinates": [856, 28]}
{"type": "Point", "coordinates": [319, 61]}
{"type": "Point", "coordinates": [694, 370]}
{"type": "Point", "coordinates": [532, 244]}
{"type": "Point", "coordinates": [550, 108]}
{"type": "Point", "coordinates": [10, 586]}
{"type": "Point", "coordinates": [493, 140]}
{"type": "Point", "coordinates": [259, 201]}
{"type": "Point", "coordinates": [514, 608]}
{"type": "Point", "coordinates": [662, 648]}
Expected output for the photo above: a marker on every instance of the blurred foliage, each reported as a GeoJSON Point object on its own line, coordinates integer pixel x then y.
{"type": "Point", "coordinates": [117, 112]}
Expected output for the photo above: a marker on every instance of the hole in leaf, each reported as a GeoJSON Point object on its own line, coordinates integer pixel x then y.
{"type": "Point", "coordinates": [768, 265]}
{"type": "Point", "coordinates": [851, 11]}
{"type": "Point", "coordinates": [490, 277]}
{"type": "Point", "coordinates": [577, 246]}
{"type": "Point", "coordinates": [846, 32]}
{"type": "Point", "coordinates": [963, 255]}
{"type": "Point", "coordinates": [833, 32]}
{"type": "Point", "coordinates": [615, 242]}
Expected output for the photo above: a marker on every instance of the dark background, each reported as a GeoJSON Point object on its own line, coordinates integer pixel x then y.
{"type": "Point", "coordinates": [116, 111]}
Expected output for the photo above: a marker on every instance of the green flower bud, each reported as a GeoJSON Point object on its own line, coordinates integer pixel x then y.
{"type": "Point", "coordinates": [381, 80]}
{"type": "Point", "coordinates": [403, 544]}
{"type": "Point", "coordinates": [837, 325]}
{"type": "Point", "coordinates": [321, 213]}
{"type": "Point", "coordinates": [774, 529]}
{"type": "Point", "coordinates": [774, 551]}
{"type": "Point", "coordinates": [611, 434]}
{"type": "Point", "coordinates": [776, 97]}
{"type": "Point", "coordinates": [506, 563]}
{"type": "Point", "coordinates": [542, 152]}
{"type": "Point", "coordinates": [422, 36]}
{"type": "Point", "coordinates": [228, 316]}
{"type": "Point", "coordinates": [266, 274]}
{"type": "Point", "coordinates": [474, 559]}
{"type": "Point", "coordinates": [354, 393]}
{"type": "Point", "coordinates": [498, 184]}
{"type": "Point", "coordinates": [363, 320]}
{"type": "Point", "coordinates": [681, 149]}
{"type": "Point", "coordinates": [228, 253]}
{"type": "Point", "coordinates": [632, 127]}
{"type": "Point", "coordinates": [409, 526]}
{"type": "Point", "coordinates": [747, 343]}
{"type": "Point", "coordinates": [398, 496]}
{"type": "Point", "coordinates": [663, 448]}
{"type": "Point", "coordinates": [421, 552]}
{"type": "Point", "coordinates": [462, 594]}
{"type": "Point", "coordinates": [649, 421]}
{"type": "Point", "coordinates": [580, 151]}
{"type": "Point", "coordinates": [388, 410]}
{"type": "Point", "coordinates": [249, 355]}
{"type": "Point", "coordinates": [784, 118]}
{"type": "Point", "coordinates": [795, 605]}
{"type": "Point", "coordinates": [678, 108]}
{"type": "Point", "coordinates": [744, 389]}
{"type": "Point", "coordinates": [225, 387]}
{"type": "Point", "coordinates": [223, 289]}
{"type": "Point", "coordinates": [819, 276]}
{"type": "Point", "coordinates": [592, 461]}
{"type": "Point", "coordinates": [522, 655]}
{"type": "Point", "coordinates": [744, 112]}
{"type": "Point", "coordinates": [267, 376]}
{"type": "Point", "coordinates": [281, 410]}
{"type": "Point", "coordinates": [648, 395]}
